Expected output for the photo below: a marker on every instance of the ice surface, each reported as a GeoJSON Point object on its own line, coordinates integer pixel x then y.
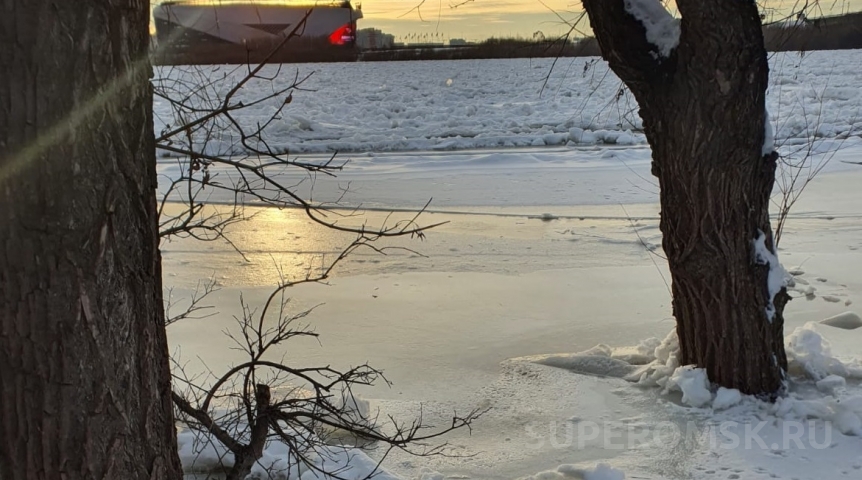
{"type": "Point", "coordinates": [523, 286]}
{"type": "Point", "coordinates": [586, 364]}
{"type": "Point", "coordinates": [430, 323]}
{"type": "Point", "coordinates": [601, 471]}
{"type": "Point", "coordinates": [407, 106]}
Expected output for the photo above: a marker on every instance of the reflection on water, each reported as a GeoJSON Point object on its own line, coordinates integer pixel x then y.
{"type": "Point", "coordinates": [282, 244]}
{"type": "Point", "coordinates": [286, 243]}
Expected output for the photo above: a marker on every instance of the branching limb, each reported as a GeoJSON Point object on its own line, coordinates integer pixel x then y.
{"type": "Point", "coordinates": [624, 44]}
{"type": "Point", "coordinates": [311, 410]}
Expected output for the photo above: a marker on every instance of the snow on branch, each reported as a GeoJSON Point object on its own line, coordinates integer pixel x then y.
{"type": "Point", "coordinates": [662, 30]}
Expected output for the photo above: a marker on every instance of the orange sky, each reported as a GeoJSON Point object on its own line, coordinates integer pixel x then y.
{"type": "Point", "coordinates": [479, 19]}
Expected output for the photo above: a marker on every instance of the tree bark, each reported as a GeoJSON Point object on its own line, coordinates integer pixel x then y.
{"type": "Point", "coordinates": [84, 373]}
{"type": "Point", "coordinates": [703, 108]}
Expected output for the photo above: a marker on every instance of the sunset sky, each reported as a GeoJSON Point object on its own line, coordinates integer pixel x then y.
{"type": "Point", "coordinates": [475, 20]}
{"type": "Point", "coordinates": [480, 19]}
{"type": "Point", "coordinates": [418, 20]}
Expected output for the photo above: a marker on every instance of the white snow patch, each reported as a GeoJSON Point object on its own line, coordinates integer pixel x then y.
{"type": "Point", "coordinates": [810, 358]}
{"type": "Point", "coordinates": [662, 30]}
{"type": "Point", "coordinates": [200, 453]}
{"type": "Point", "coordinates": [769, 136]}
{"type": "Point", "coordinates": [810, 354]}
{"type": "Point", "coordinates": [641, 354]}
{"type": "Point", "coordinates": [693, 384]}
{"type": "Point", "coordinates": [726, 398]}
{"type": "Point", "coordinates": [777, 278]}
{"type": "Point", "coordinates": [601, 471]}
{"type": "Point", "coordinates": [596, 361]}
{"type": "Point", "coordinates": [665, 362]}
{"type": "Point", "coordinates": [847, 422]}
{"type": "Point", "coordinates": [831, 383]}
{"type": "Point", "coordinates": [843, 412]}
{"type": "Point", "coordinates": [426, 473]}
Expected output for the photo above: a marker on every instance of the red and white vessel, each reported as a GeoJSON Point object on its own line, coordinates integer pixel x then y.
{"type": "Point", "coordinates": [195, 23]}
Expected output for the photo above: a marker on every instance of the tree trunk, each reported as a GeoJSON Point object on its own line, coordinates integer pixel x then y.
{"type": "Point", "coordinates": [703, 107]}
{"type": "Point", "coordinates": [84, 373]}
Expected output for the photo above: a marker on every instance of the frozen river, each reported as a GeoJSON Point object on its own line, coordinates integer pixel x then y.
{"type": "Point", "coordinates": [456, 105]}
{"type": "Point", "coordinates": [549, 248]}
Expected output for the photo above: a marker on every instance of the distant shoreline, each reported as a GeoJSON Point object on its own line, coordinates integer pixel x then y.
{"type": "Point", "coordinates": [842, 32]}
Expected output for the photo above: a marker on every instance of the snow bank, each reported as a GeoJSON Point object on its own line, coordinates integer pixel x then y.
{"type": "Point", "coordinates": [665, 361]}
{"type": "Point", "coordinates": [844, 412]}
{"type": "Point", "coordinates": [602, 360]}
{"type": "Point", "coordinates": [810, 358]}
{"type": "Point", "coordinates": [662, 30]}
{"type": "Point", "coordinates": [809, 354]}
{"type": "Point", "coordinates": [201, 453]}
{"type": "Point", "coordinates": [666, 372]}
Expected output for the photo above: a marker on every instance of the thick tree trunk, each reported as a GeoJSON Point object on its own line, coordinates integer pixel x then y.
{"type": "Point", "coordinates": [84, 374]}
{"type": "Point", "coordinates": [703, 108]}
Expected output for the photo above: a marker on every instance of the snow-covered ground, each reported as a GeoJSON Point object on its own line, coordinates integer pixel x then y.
{"type": "Point", "coordinates": [548, 252]}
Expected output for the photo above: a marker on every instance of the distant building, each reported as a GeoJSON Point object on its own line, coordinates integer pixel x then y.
{"type": "Point", "coordinates": [457, 41]}
{"type": "Point", "coordinates": [374, 39]}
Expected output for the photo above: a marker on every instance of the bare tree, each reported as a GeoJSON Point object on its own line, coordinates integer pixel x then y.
{"type": "Point", "coordinates": [311, 410]}
{"type": "Point", "coordinates": [85, 383]}
{"type": "Point", "coordinates": [700, 82]}
{"type": "Point", "coordinates": [84, 372]}
{"type": "Point", "coordinates": [217, 152]}
{"type": "Point", "coordinates": [799, 164]}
